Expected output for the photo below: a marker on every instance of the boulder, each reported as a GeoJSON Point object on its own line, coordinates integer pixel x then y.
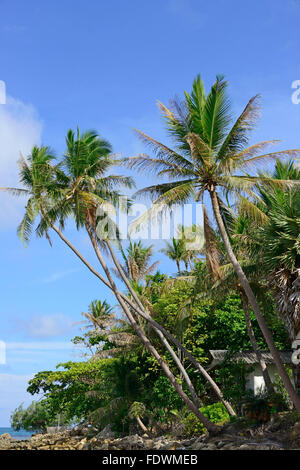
{"type": "Point", "coordinates": [106, 433]}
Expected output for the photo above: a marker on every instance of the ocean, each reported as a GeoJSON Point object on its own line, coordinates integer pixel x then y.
{"type": "Point", "coordinates": [22, 434]}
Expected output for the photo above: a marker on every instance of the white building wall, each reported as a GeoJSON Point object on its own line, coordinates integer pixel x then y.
{"type": "Point", "coordinates": [255, 380]}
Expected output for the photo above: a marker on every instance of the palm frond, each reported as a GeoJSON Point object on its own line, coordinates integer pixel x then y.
{"type": "Point", "coordinates": [177, 123]}
{"type": "Point", "coordinates": [195, 103]}
{"type": "Point", "coordinates": [252, 210]}
{"type": "Point", "coordinates": [157, 166]}
{"type": "Point", "coordinates": [166, 189]}
{"type": "Point", "coordinates": [293, 153]}
{"type": "Point", "coordinates": [161, 151]}
{"type": "Point", "coordinates": [16, 191]}
{"type": "Point", "coordinates": [215, 114]}
{"type": "Point", "coordinates": [238, 137]}
{"type": "Point", "coordinates": [200, 151]}
{"type": "Point", "coordinates": [26, 226]}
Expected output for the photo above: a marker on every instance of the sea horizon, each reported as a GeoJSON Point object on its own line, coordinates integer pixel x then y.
{"type": "Point", "coordinates": [22, 434]}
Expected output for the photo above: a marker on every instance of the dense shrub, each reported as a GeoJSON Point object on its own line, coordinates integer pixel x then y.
{"type": "Point", "coordinates": [216, 413]}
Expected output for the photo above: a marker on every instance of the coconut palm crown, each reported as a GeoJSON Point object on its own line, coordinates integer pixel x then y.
{"type": "Point", "coordinates": [209, 153]}
{"type": "Point", "coordinates": [138, 261]}
{"type": "Point", "coordinates": [76, 186]}
{"type": "Point", "coordinates": [212, 155]}
{"type": "Point", "coordinates": [87, 185]}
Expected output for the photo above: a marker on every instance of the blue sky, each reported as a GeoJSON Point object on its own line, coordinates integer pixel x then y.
{"type": "Point", "coordinates": [104, 65]}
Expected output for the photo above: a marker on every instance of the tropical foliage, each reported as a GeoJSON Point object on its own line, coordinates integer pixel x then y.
{"type": "Point", "coordinates": [148, 356]}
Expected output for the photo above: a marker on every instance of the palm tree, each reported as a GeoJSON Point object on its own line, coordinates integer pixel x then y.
{"type": "Point", "coordinates": [280, 257]}
{"type": "Point", "coordinates": [277, 203]}
{"type": "Point", "coordinates": [280, 234]}
{"type": "Point", "coordinates": [79, 191]}
{"type": "Point", "coordinates": [209, 157]}
{"type": "Point", "coordinates": [137, 261]}
{"type": "Point", "coordinates": [215, 278]}
{"type": "Point", "coordinates": [85, 162]}
{"type": "Point", "coordinates": [175, 251]}
{"type": "Point", "coordinates": [39, 178]}
{"type": "Point", "coordinates": [102, 325]}
{"type": "Point", "coordinates": [73, 194]}
{"type": "Point", "coordinates": [137, 411]}
{"type": "Point", "coordinates": [100, 315]}
{"type": "Point", "coordinates": [193, 238]}
{"type": "Point", "coordinates": [239, 229]}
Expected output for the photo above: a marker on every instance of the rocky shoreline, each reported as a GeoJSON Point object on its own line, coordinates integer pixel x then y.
{"type": "Point", "coordinates": [282, 433]}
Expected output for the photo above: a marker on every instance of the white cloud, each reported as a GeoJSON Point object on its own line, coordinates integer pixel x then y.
{"type": "Point", "coordinates": [20, 129]}
{"type": "Point", "coordinates": [29, 357]}
{"type": "Point", "coordinates": [45, 326]}
{"type": "Point", "coordinates": [38, 355]}
{"type": "Point", "coordinates": [57, 276]}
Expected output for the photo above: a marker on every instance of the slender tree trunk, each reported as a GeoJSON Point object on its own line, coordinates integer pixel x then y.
{"type": "Point", "coordinates": [212, 428]}
{"type": "Point", "coordinates": [176, 359]}
{"type": "Point", "coordinates": [141, 425]}
{"type": "Point", "coordinates": [255, 347]}
{"type": "Point", "coordinates": [295, 367]}
{"type": "Point", "coordinates": [140, 312]}
{"type": "Point", "coordinates": [178, 266]}
{"type": "Point", "coordinates": [296, 376]}
{"type": "Point", "coordinates": [177, 343]}
{"type": "Point", "coordinates": [253, 302]}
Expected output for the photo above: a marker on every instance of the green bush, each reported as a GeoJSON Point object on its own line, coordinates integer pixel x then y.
{"type": "Point", "coordinates": [36, 417]}
{"type": "Point", "coordinates": [216, 413]}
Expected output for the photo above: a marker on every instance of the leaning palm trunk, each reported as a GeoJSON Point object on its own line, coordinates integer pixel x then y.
{"type": "Point", "coordinates": [286, 285]}
{"type": "Point", "coordinates": [174, 356]}
{"type": "Point", "coordinates": [296, 376]}
{"type": "Point", "coordinates": [254, 344]}
{"type": "Point", "coordinates": [253, 302]}
{"type": "Point", "coordinates": [141, 425]}
{"type": "Point", "coordinates": [153, 323]}
{"type": "Point", "coordinates": [168, 347]}
{"type": "Point", "coordinates": [212, 428]}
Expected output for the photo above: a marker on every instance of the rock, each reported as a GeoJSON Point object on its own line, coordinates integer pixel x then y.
{"type": "Point", "coordinates": [221, 444]}
{"type": "Point", "coordinates": [197, 445]}
{"type": "Point", "coordinates": [275, 436]}
{"type": "Point", "coordinates": [247, 447]}
{"type": "Point", "coordinates": [294, 436]}
{"type": "Point", "coordinates": [295, 432]}
{"type": "Point", "coordinates": [173, 445]}
{"type": "Point", "coordinates": [81, 445]}
{"type": "Point", "coordinates": [148, 444]}
{"type": "Point", "coordinates": [5, 436]}
{"type": "Point", "coordinates": [209, 446]}
{"type": "Point", "coordinates": [106, 433]}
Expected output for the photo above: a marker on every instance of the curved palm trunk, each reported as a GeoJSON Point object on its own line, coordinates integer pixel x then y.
{"type": "Point", "coordinates": [141, 425]}
{"type": "Point", "coordinates": [253, 302]}
{"type": "Point", "coordinates": [174, 340]}
{"type": "Point", "coordinates": [212, 428]}
{"type": "Point", "coordinates": [296, 376]}
{"type": "Point", "coordinates": [181, 348]}
{"type": "Point", "coordinates": [178, 266]}
{"type": "Point", "coordinates": [254, 344]}
{"type": "Point", "coordinates": [176, 359]}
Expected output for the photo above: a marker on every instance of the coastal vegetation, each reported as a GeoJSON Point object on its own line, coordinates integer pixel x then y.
{"type": "Point", "coordinates": [147, 358]}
